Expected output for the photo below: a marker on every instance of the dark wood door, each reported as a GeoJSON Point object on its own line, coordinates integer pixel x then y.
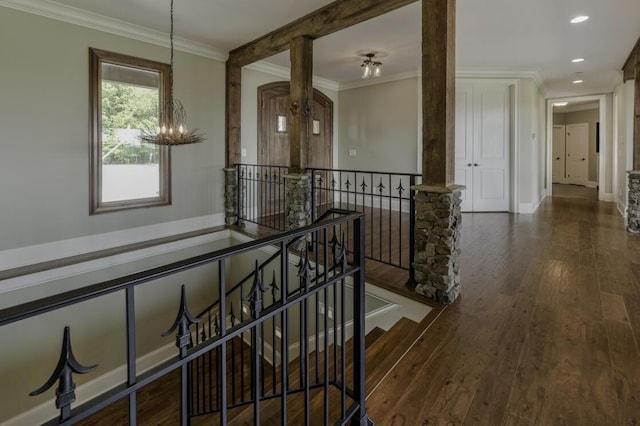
{"type": "Point", "coordinates": [273, 141]}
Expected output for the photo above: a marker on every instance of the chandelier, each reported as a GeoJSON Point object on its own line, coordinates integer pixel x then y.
{"type": "Point", "coordinates": [172, 127]}
{"type": "Point", "coordinates": [371, 68]}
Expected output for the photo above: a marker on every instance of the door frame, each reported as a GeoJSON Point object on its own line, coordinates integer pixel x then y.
{"type": "Point", "coordinates": [564, 155]}
{"type": "Point", "coordinates": [283, 87]}
{"type": "Point", "coordinates": [604, 143]}
{"type": "Point", "coordinates": [513, 85]}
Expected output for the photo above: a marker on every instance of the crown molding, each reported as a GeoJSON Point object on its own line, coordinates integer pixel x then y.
{"type": "Point", "coordinates": [72, 15]}
{"type": "Point", "coordinates": [378, 80]}
{"type": "Point", "coordinates": [284, 72]}
{"type": "Point", "coordinates": [470, 72]}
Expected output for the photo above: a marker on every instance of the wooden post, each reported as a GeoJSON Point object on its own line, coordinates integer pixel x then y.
{"type": "Point", "coordinates": [300, 109]}
{"type": "Point", "coordinates": [233, 101]}
{"type": "Point", "coordinates": [636, 113]}
{"type": "Point", "coordinates": [438, 92]}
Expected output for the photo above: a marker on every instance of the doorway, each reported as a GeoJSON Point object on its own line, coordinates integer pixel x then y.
{"type": "Point", "coordinates": [571, 153]}
{"type": "Point", "coordinates": [483, 142]}
{"type": "Point", "coordinates": [273, 136]}
{"type": "Point", "coordinates": [578, 119]}
{"type": "Point", "coordinates": [273, 144]}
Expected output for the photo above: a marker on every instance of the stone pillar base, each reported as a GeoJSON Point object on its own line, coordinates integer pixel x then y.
{"type": "Point", "coordinates": [230, 196]}
{"type": "Point", "coordinates": [297, 201]}
{"type": "Point", "coordinates": [633, 205]}
{"type": "Point", "coordinates": [437, 242]}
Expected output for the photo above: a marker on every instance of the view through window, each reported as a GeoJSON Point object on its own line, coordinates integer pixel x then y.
{"type": "Point", "coordinates": [127, 99]}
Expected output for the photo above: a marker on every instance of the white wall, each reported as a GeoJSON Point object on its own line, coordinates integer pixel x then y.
{"type": "Point", "coordinates": [624, 98]}
{"type": "Point", "coordinates": [380, 122]}
{"type": "Point", "coordinates": [44, 117]}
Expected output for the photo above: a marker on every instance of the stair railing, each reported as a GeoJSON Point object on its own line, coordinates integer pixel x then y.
{"type": "Point", "coordinates": [313, 306]}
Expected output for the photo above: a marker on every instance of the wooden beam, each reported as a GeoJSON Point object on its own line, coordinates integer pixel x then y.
{"type": "Point", "coordinates": [301, 96]}
{"type": "Point", "coordinates": [333, 17]}
{"type": "Point", "coordinates": [438, 91]}
{"type": "Point", "coordinates": [636, 120]}
{"type": "Point", "coordinates": [233, 101]}
{"type": "Point", "coordinates": [631, 64]}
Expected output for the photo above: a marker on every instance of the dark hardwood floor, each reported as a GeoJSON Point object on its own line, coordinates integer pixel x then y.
{"type": "Point", "coordinates": [546, 330]}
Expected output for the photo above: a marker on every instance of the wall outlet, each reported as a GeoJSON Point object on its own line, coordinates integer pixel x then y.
{"type": "Point", "coordinates": [243, 152]}
{"type": "Point", "coordinates": [352, 153]}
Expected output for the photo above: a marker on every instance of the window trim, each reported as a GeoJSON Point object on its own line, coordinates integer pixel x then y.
{"type": "Point", "coordinates": [97, 57]}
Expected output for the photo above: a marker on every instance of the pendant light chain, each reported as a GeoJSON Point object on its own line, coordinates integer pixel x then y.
{"type": "Point", "coordinates": [174, 130]}
{"type": "Point", "coordinates": [171, 62]}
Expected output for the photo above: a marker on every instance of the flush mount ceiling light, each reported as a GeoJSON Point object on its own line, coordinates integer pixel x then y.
{"type": "Point", "coordinates": [579, 19]}
{"type": "Point", "coordinates": [576, 60]}
{"type": "Point", "coordinates": [560, 104]}
{"type": "Point", "coordinates": [172, 125]}
{"type": "Point", "coordinates": [371, 68]}
{"type": "Point", "coordinates": [578, 81]}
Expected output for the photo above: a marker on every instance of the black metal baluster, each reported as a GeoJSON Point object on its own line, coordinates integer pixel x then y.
{"type": "Point", "coordinates": [222, 359]}
{"type": "Point", "coordinates": [371, 220]}
{"type": "Point", "coordinates": [390, 214]}
{"type": "Point", "coordinates": [343, 261]}
{"type": "Point", "coordinates": [412, 214]}
{"type": "Point", "coordinates": [183, 321]}
{"type": "Point", "coordinates": [63, 373]}
{"type": "Point", "coordinates": [274, 295]}
{"type": "Point", "coordinates": [233, 358]}
{"type": "Point", "coordinates": [400, 189]}
{"type": "Point", "coordinates": [327, 306]}
{"type": "Point", "coordinates": [380, 189]}
{"type": "Point", "coordinates": [358, 320]}
{"type": "Point", "coordinates": [284, 327]}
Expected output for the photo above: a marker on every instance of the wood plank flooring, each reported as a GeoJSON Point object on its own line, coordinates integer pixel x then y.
{"type": "Point", "coordinates": [546, 331]}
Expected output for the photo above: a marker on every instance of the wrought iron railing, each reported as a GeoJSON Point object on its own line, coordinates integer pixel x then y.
{"type": "Point", "coordinates": [261, 194]}
{"type": "Point", "coordinates": [385, 198]}
{"type": "Point", "coordinates": [290, 335]}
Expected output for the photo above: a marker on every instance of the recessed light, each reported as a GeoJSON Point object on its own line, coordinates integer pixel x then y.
{"type": "Point", "coordinates": [576, 60]}
{"type": "Point", "coordinates": [578, 81]}
{"type": "Point", "coordinates": [579, 19]}
{"type": "Point", "coordinates": [560, 104]}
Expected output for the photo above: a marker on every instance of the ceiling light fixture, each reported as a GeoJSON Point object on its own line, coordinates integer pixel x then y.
{"type": "Point", "coordinates": [579, 19]}
{"type": "Point", "coordinates": [578, 81]}
{"type": "Point", "coordinates": [172, 127]}
{"type": "Point", "coordinates": [371, 68]}
{"type": "Point", "coordinates": [576, 60]}
{"type": "Point", "coordinates": [560, 104]}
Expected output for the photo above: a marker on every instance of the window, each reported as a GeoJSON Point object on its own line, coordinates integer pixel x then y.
{"type": "Point", "coordinates": [128, 95]}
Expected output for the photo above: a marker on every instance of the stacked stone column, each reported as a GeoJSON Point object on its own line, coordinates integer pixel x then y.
{"type": "Point", "coordinates": [633, 207]}
{"type": "Point", "coordinates": [437, 242]}
{"type": "Point", "coordinates": [230, 196]}
{"type": "Point", "coordinates": [297, 200]}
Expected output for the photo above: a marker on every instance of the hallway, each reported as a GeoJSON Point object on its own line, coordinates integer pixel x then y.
{"type": "Point", "coordinates": [546, 330]}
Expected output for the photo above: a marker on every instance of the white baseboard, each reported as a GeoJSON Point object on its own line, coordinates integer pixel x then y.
{"type": "Point", "coordinates": [609, 197]}
{"type": "Point", "coordinates": [622, 209]}
{"type": "Point", "coordinates": [592, 184]}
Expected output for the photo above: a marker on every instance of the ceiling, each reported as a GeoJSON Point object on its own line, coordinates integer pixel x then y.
{"type": "Point", "coordinates": [508, 37]}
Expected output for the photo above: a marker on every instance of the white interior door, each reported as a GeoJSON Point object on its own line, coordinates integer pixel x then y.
{"type": "Point", "coordinates": [577, 141]}
{"type": "Point", "coordinates": [491, 148]}
{"type": "Point", "coordinates": [559, 156]}
{"type": "Point", "coordinates": [464, 143]}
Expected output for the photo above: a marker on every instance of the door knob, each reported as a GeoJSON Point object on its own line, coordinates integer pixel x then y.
{"type": "Point", "coordinates": [469, 164]}
{"type": "Point", "coordinates": [557, 158]}
{"type": "Point", "coordinates": [475, 164]}
{"type": "Point", "coordinates": [583, 159]}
